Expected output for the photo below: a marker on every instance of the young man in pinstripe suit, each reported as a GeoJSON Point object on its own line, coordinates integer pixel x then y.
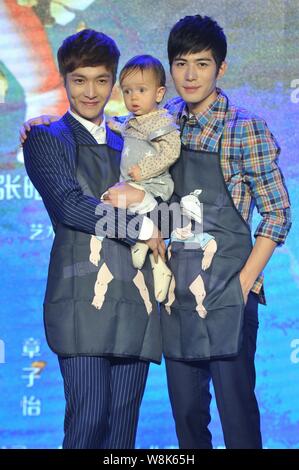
{"type": "Point", "coordinates": [103, 352]}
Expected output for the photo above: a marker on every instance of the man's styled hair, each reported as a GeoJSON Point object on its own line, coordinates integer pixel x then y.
{"type": "Point", "coordinates": [196, 34]}
{"type": "Point", "coordinates": [141, 63]}
{"type": "Point", "coordinates": [88, 48]}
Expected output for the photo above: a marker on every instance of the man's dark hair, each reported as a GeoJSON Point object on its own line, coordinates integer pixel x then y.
{"type": "Point", "coordinates": [141, 63]}
{"type": "Point", "coordinates": [88, 48]}
{"type": "Point", "coordinates": [196, 34]}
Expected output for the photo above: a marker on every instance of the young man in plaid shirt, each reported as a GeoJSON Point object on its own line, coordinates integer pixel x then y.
{"type": "Point", "coordinates": [232, 157]}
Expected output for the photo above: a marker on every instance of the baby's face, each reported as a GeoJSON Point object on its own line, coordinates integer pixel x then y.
{"type": "Point", "coordinates": [141, 92]}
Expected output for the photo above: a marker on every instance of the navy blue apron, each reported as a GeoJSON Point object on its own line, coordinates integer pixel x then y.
{"type": "Point", "coordinates": [123, 326]}
{"type": "Point", "coordinates": [215, 330]}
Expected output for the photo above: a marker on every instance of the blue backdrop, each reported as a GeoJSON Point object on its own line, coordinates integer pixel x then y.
{"type": "Point", "coordinates": [263, 76]}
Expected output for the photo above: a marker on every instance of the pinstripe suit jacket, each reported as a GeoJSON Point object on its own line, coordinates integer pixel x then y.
{"type": "Point", "coordinates": [50, 160]}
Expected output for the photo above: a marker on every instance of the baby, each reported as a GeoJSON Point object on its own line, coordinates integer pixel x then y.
{"type": "Point", "coordinates": [151, 146]}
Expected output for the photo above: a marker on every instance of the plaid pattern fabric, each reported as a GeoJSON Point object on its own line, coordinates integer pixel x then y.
{"type": "Point", "coordinates": [249, 162]}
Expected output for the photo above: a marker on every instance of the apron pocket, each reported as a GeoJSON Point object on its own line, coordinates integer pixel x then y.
{"type": "Point", "coordinates": [224, 287]}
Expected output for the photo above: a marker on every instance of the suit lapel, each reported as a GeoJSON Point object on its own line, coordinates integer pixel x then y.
{"type": "Point", "coordinates": [79, 133]}
{"type": "Point", "coordinates": [74, 131]}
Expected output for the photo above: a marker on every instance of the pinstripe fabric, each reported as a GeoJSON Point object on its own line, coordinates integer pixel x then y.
{"type": "Point", "coordinates": [50, 160]}
{"type": "Point", "coordinates": [127, 388]}
{"type": "Point", "coordinates": [249, 161]}
{"type": "Point", "coordinates": [103, 397]}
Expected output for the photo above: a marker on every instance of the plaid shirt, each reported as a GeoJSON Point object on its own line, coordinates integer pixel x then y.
{"type": "Point", "coordinates": [249, 162]}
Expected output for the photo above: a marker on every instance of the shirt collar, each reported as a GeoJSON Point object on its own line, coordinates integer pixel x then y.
{"type": "Point", "coordinates": [141, 119]}
{"type": "Point", "coordinates": [217, 109]}
{"type": "Point", "coordinates": [94, 129]}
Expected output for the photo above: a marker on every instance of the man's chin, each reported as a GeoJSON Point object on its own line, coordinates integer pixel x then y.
{"type": "Point", "coordinates": [193, 100]}
{"type": "Point", "coordinates": [90, 114]}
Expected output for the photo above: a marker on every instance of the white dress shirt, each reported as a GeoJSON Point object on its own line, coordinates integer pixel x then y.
{"type": "Point", "coordinates": [98, 132]}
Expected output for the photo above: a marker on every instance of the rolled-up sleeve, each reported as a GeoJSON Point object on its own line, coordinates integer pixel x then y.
{"type": "Point", "coordinates": [260, 153]}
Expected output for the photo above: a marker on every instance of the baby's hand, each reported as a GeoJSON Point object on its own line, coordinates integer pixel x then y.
{"type": "Point", "coordinates": [114, 125]}
{"type": "Point", "coordinates": [110, 123]}
{"type": "Point", "coordinates": [135, 173]}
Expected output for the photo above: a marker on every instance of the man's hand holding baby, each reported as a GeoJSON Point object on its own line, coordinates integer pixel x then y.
{"type": "Point", "coordinates": [135, 173]}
